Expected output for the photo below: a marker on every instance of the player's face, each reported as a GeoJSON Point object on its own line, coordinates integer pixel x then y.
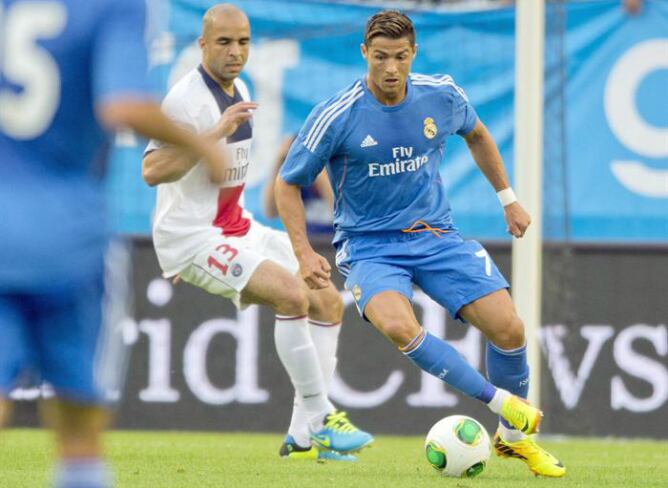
{"type": "Point", "coordinates": [225, 46]}
{"type": "Point", "coordinates": [389, 62]}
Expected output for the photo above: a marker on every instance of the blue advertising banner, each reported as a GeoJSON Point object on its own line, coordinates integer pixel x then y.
{"type": "Point", "coordinates": [612, 74]}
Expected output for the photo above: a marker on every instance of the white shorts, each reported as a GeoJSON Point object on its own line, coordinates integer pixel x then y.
{"type": "Point", "coordinates": [227, 264]}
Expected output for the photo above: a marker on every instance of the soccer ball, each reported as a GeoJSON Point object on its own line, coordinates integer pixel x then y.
{"type": "Point", "coordinates": [458, 446]}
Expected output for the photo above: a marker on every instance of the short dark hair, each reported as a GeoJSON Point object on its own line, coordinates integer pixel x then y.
{"type": "Point", "coordinates": [389, 23]}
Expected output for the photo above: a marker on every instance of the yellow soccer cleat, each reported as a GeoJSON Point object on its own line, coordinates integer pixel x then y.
{"type": "Point", "coordinates": [540, 462]}
{"type": "Point", "coordinates": [521, 414]}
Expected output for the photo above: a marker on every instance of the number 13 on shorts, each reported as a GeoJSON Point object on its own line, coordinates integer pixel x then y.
{"type": "Point", "coordinates": [222, 258]}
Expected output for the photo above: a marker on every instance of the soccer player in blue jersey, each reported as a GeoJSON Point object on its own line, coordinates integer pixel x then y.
{"type": "Point", "coordinates": [382, 141]}
{"type": "Point", "coordinates": [70, 71]}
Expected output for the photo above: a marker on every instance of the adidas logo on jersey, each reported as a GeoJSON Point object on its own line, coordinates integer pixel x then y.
{"type": "Point", "coordinates": [368, 142]}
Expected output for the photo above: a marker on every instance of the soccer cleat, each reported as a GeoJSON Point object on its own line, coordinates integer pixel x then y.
{"type": "Point", "coordinates": [339, 434]}
{"type": "Point", "coordinates": [291, 450]}
{"type": "Point", "coordinates": [540, 462]}
{"type": "Point", "coordinates": [324, 455]}
{"type": "Point", "coordinates": [521, 414]}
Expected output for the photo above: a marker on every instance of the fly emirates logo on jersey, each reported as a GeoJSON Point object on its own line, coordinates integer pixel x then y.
{"type": "Point", "coordinates": [239, 160]}
{"type": "Point", "coordinates": [404, 162]}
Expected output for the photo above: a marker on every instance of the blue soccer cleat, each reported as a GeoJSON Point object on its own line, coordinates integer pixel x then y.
{"type": "Point", "coordinates": [291, 450]}
{"type": "Point", "coordinates": [339, 434]}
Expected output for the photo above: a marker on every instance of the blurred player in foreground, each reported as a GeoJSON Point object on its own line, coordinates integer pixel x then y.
{"type": "Point", "coordinates": [70, 71]}
{"type": "Point", "coordinates": [382, 140]}
{"type": "Point", "coordinates": [202, 235]}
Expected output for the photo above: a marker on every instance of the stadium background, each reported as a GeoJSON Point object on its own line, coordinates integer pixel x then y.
{"type": "Point", "coordinates": [198, 364]}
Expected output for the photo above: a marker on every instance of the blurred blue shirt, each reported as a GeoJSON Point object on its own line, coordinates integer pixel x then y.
{"type": "Point", "coordinates": [59, 59]}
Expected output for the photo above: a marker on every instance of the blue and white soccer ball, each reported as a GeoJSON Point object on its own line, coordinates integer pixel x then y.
{"type": "Point", "coordinates": [458, 446]}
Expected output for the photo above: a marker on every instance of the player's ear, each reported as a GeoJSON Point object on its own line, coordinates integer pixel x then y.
{"type": "Point", "coordinates": [363, 50]}
{"type": "Point", "coordinates": [415, 50]}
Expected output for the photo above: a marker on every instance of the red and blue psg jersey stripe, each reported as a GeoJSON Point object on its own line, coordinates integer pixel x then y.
{"type": "Point", "coordinates": [229, 215]}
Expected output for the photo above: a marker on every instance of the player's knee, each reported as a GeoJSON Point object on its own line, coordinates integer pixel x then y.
{"type": "Point", "coordinates": [399, 330]}
{"type": "Point", "coordinates": [511, 336]}
{"type": "Point", "coordinates": [332, 304]}
{"type": "Point", "coordinates": [293, 301]}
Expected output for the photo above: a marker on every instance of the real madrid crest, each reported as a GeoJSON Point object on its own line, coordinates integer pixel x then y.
{"type": "Point", "coordinates": [357, 293]}
{"type": "Point", "coordinates": [430, 129]}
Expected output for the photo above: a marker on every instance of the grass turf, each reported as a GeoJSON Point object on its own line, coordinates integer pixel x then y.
{"type": "Point", "coordinates": [193, 460]}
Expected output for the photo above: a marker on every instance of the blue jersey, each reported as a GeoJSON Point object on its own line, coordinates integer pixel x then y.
{"type": "Point", "coordinates": [58, 60]}
{"type": "Point", "coordinates": [383, 161]}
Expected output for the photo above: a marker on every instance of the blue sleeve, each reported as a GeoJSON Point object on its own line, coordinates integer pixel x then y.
{"type": "Point", "coordinates": [120, 61]}
{"type": "Point", "coordinates": [464, 115]}
{"type": "Point", "coordinates": [313, 147]}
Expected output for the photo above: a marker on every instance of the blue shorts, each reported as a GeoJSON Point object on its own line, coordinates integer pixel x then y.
{"type": "Point", "coordinates": [55, 334]}
{"type": "Point", "coordinates": [453, 272]}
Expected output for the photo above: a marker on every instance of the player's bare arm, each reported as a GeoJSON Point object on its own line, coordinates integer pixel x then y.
{"type": "Point", "coordinates": [147, 119]}
{"type": "Point", "coordinates": [487, 157]}
{"type": "Point", "coordinates": [169, 164]}
{"type": "Point", "coordinates": [313, 268]}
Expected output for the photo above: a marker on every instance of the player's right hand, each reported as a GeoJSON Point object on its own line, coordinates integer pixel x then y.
{"type": "Point", "coordinates": [314, 270]}
{"type": "Point", "coordinates": [234, 116]}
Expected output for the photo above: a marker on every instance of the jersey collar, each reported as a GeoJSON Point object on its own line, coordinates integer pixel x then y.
{"type": "Point", "coordinates": [389, 108]}
{"type": "Point", "coordinates": [222, 99]}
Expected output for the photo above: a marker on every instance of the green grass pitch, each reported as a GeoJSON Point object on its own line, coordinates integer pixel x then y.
{"type": "Point", "coordinates": [194, 460]}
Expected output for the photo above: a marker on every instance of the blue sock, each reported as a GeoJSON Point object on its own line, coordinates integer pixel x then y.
{"type": "Point", "coordinates": [440, 359]}
{"type": "Point", "coordinates": [508, 369]}
{"type": "Point", "coordinates": [82, 473]}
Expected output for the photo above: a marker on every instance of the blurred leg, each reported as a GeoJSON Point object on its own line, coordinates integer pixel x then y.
{"type": "Point", "coordinates": [78, 430]}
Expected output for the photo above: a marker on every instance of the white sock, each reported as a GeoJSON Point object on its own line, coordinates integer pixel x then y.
{"type": "Point", "coordinates": [299, 429]}
{"type": "Point", "coordinates": [299, 357]}
{"type": "Point", "coordinates": [326, 339]}
{"type": "Point", "coordinates": [325, 336]}
{"type": "Point", "coordinates": [496, 402]}
{"type": "Point", "coordinates": [509, 434]}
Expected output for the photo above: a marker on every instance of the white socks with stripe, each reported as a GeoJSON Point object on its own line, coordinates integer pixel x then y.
{"type": "Point", "coordinates": [325, 336]}
{"type": "Point", "coordinates": [299, 356]}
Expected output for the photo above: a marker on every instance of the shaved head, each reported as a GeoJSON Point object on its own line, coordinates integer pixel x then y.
{"type": "Point", "coordinates": [225, 41]}
{"type": "Point", "coordinates": [219, 14]}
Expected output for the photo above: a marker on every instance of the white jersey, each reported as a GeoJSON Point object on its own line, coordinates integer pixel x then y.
{"type": "Point", "coordinates": [191, 211]}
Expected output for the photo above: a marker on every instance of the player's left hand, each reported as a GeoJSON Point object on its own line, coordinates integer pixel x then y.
{"type": "Point", "coordinates": [517, 219]}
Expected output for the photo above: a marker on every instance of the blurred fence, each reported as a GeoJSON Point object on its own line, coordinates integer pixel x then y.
{"type": "Point", "coordinates": [606, 126]}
